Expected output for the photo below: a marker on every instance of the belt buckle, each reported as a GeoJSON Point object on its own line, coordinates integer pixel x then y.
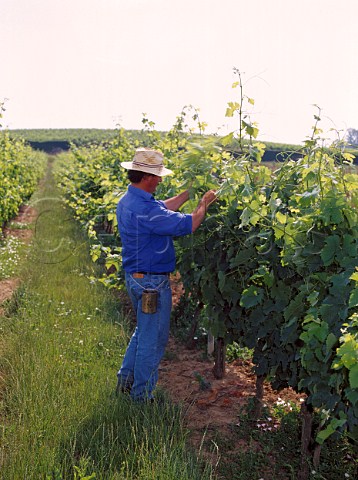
{"type": "Point", "coordinates": [138, 275]}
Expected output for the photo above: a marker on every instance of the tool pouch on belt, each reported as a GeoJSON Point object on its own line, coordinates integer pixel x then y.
{"type": "Point", "coordinates": [149, 301]}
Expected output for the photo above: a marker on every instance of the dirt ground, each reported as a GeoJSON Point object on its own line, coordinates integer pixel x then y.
{"type": "Point", "coordinates": [217, 405]}
{"type": "Point", "coordinates": [26, 215]}
{"type": "Point", "coordinates": [7, 288]}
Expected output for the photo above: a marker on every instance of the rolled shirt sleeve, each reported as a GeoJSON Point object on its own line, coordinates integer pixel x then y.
{"type": "Point", "coordinates": [162, 221]}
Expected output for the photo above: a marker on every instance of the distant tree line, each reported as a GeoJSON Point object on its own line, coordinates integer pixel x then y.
{"type": "Point", "coordinates": [78, 136]}
{"type": "Point", "coordinates": [352, 137]}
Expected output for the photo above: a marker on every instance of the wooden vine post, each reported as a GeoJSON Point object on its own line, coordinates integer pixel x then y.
{"type": "Point", "coordinates": [210, 347]}
{"type": "Point", "coordinates": [219, 355]}
{"type": "Point", "coordinates": [306, 416]}
{"type": "Point", "coordinates": [259, 395]}
{"type": "Point", "coordinates": [310, 450]}
{"type": "Point", "coordinates": [191, 340]}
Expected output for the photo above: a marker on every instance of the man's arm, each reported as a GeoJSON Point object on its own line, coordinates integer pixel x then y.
{"type": "Point", "coordinates": [199, 213]}
{"type": "Point", "coordinates": [175, 203]}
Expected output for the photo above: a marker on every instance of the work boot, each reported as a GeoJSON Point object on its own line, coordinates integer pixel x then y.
{"type": "Point", "coordinates": [123, 387]}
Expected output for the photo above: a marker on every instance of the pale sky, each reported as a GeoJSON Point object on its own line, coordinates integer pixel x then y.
{"type": "Point", "coordinates": [95, 63]}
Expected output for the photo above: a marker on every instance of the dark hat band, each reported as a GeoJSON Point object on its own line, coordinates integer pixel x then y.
{"type": "Point", "coordinates": [140, 164]}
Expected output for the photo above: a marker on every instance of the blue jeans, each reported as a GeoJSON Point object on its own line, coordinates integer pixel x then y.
{"type": "Point", "coordinates": [139, 370]}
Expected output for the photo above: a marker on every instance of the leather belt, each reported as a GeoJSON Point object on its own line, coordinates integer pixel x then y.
{"type": "Point", "coordinates": [141, 274]}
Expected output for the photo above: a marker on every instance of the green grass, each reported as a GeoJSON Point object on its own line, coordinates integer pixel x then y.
{"type": "Point", "coordinates": [62, 343]}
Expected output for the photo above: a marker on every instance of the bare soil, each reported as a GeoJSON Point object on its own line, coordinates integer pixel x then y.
{"type": "Point", "coordinates": [216, 405]}
{"type": "Point", "coordinates": [7, 288]}
{"type": "Point", "coordinates": [26, 216]}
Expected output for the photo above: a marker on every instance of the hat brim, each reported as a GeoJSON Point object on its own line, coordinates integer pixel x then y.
{"type": "Point", "coordinates": [159, 171]}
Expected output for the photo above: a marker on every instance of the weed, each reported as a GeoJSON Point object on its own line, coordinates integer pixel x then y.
{"type": "Point", "coordinates": [234, 352]}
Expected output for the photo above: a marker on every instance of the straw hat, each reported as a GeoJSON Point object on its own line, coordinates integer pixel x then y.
{"type": "Point", "coordinates": [148, 161]}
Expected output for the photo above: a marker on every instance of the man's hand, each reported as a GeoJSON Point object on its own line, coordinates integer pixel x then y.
{"type": "Point", "coordinates": [209, 197]}
{"type": "Point", "coordinates": [199, 213]}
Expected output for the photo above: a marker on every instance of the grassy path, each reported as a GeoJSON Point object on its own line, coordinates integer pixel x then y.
{"type": "Point", "coordinates": [62, 342]}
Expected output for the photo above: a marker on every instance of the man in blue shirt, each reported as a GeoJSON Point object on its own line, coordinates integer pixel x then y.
{"type": "Point", "coordinates": [147, 227]}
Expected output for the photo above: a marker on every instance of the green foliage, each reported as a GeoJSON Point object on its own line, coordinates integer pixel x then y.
{"type": "Point", "coordinates": [274, 263]}
{"type": "Point", "coordinates": [235, 352]}
{"type": "Point", "coordinates": [20, 170]}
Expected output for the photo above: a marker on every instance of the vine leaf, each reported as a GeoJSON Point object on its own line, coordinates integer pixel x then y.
{"type": "Point", "coordinates": [353, 377]}
{"type": "Point", "coordinates": [251, 296]}
{"type": "Point", "coordinates": [232, 108]}
{"type": "Point", "coordinates": [332, 427]}
{"type": "Point", "coordinates": [330, 250]}
{"type": "Point", "coordinates": [353, 299]}
{"type": "Point", "coordinates": [227, 139]}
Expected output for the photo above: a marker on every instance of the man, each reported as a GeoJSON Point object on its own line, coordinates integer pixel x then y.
{"type": "Point", "coordinates": [147, 227]}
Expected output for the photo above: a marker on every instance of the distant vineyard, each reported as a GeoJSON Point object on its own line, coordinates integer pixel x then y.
{"type": "Point", "coordinates": [54, 140]}
{"type": "Point", "coordinates": [86, 136]}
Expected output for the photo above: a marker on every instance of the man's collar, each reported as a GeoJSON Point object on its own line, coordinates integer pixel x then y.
{"type": "Point", "coordinates": [139, 192]}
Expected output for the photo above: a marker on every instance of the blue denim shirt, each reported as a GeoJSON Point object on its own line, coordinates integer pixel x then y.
{"type": "Point", "coordinates": [147, 228]}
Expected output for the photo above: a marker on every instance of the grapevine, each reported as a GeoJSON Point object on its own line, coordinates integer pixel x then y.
{"type": "Point", "coordinates": [20, 170]}
{"type": "Point", "coordinates": [274, 266]}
